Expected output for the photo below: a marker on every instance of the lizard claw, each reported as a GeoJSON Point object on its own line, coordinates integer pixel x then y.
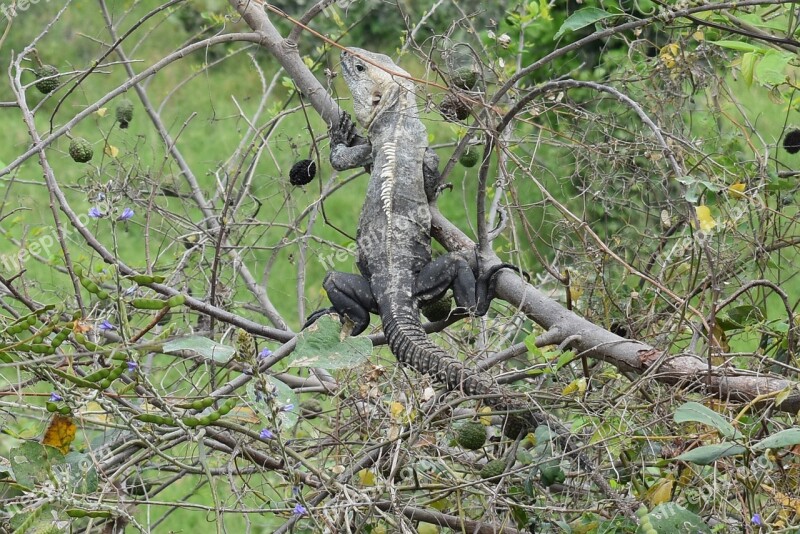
{"type": "Point", "coordinates": [344, 133]}
{"type": "Point", "coordinates": [441, 189]}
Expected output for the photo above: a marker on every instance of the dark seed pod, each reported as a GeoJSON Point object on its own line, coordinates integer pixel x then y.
{"type": "Point", "coordinates": [791, 142]}
{"type": "Point", "coordinates": [46, 86]}
{"type": "Point", "coordinates": [453, 108]}
{"type": "Point", "coordinates": [302, 172]}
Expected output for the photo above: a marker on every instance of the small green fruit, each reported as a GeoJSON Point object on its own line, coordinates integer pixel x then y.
{"type": "Point", "coordinates": [471, 436]}
{"type": "Point", "coordinates": [438, 310]}
{"type": "Point", "coordinates": [493, 469]}
{"type": "Point", "coordinates": [310, 409]}
{"type": "Point", "coordinates": [469, 158]}
{"type": "Point", "coordinates": [124, 112]}
{"type": "Point", "coordinates": [48, 85]}
{"type": "Point", "coordinates": [80, 150]}
{"type": "Point", "coordinates": [465, 78]}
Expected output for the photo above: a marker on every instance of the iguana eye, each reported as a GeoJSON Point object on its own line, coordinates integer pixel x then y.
{"type": "Point", "coordinates": [360, 67]}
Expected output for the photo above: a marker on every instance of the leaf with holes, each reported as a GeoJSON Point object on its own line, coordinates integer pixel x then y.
{"type": "Point", "coordinates": [320, 345]}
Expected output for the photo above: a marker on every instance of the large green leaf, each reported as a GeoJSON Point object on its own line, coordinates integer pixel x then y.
{"type": "Point", "coordinates": [784, 438]}
{"type": "Point", "coordinates": [708, 454]}
{"type": "Point", "coordinates": [581, 19]}
{"type": "Point", "coordinates": [697, 413]}
{"type": "Point", "coordinates": [33, 463]}
{"type": "Point", "coordinates": [320, 345]}
{"type": "Point", "coordinates": [771, 70]}
{"type": "Point", "coordinates": [82, 473]}
{"type": "Point", "coordinates": [203, 346]}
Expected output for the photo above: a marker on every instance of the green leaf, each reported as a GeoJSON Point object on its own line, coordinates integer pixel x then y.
{"type": "Point", "coordinates": [784, 438]}
{"type": "Point", "coordinates": [82, 473]}
{"type": "Point", "coordinates": [207, 348]}
{"type": "Point", "coordinates": [740, 316]}
{"type": "Point", "coordinates": [319, 346]}
{"type": "Point", "coordinates": [581, 19]}
{"type": "Point", "coordinates": [771, 70]}
{"type": "Point", "coordinates": [695, 412]}
{"type": "Point", "coordinates": [748, 66]}
{"type": "Point", "coordinates": [33, 462]}
{"type": "Point", "coordinates": [708, 454]}
{"type": "Point", "coordinates": [739, 46]}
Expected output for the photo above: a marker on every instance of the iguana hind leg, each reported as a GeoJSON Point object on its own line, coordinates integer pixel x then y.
{"type": "Point", "coordinates": [472, 295]}
{"type": "Point", "coordinates": [443, 273]}
{"type": "Point", "coordinates": [351, 297]}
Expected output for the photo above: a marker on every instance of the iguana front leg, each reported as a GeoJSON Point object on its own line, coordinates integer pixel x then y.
{"type": "Point", "coordinates": [343, 156]}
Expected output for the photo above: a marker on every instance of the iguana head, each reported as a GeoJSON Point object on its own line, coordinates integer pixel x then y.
{"type": "Point", "coordinates": [377, 85]}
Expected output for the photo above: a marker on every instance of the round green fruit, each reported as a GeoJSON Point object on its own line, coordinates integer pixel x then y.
{"type": "Point", "coordinates": [469, 158]}
{"type": "Point", "coordinates": [471, 436]}
{"type": "Point", "coordinates": [493, 469]}
{"type": "Point", "coordinates": [124, 112]}
{"type": "Point", "coordinates": [47, 79]}
{"type": "Point", "coordinates": [465, 78]}
{"type": "Point", "coordinates": [80, 150]}
{"type": "Point", "coordinates": [438, 310]}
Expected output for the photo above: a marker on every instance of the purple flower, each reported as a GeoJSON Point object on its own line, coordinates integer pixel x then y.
{"type": "Point", "coordinates": [105, 325]}
{"type": "Point", "coordinates": [265, 353]}
{"type": "Point", "coordinates": [287, 407]}
{"type": "Point", "coordinates": [132, 365]}
{"type": "Point", "coordinates": [757, 519]}
{"type": "Point", "coordinates": [55, 397]}
{"type": "Point", "coordinates": [127, 213]}
{"type": "Point", "coordinates": [300, 510]}
{"type": "Point", "coordinates": [266, 434]}
{"type": "Point", "coordinates": [95, 213]}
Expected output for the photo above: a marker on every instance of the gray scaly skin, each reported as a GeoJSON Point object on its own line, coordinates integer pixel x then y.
{"type": "Point", "coordinates": [394, 241]}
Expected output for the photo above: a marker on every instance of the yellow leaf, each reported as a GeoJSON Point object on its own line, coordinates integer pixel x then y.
{"type": "Point", "coordinates": [699, 36]}
{"type": "Point", "coordinates": [111, 150]}
{"type": "Point", "coordinates": [737, 190]}
{"type": "Point", "coordinates": [707, 222]}
{"type": "Point", "coordinates": [576, 386]}
{"type": "Point", "coordinates": [366, 477]}
{"type": "Point", "coordinates": [660, 492]}
{"type": "Point", "coordinates": [60, 433]}
{"type": "Point", "coordinates": [485, 420]}
{"type": "Point", "coordinates": [396, 409]}
{"type": "Point", "coordinates": [101, 112]}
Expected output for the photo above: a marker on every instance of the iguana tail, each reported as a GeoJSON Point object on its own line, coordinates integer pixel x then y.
{"type": "Point", "coordinates": [411, 346]}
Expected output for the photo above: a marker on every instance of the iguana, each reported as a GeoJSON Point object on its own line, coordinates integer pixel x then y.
{"type": "Point", "coordinates": [394, 243]}
{"type": "Point", "coordinates": [393, 240]}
